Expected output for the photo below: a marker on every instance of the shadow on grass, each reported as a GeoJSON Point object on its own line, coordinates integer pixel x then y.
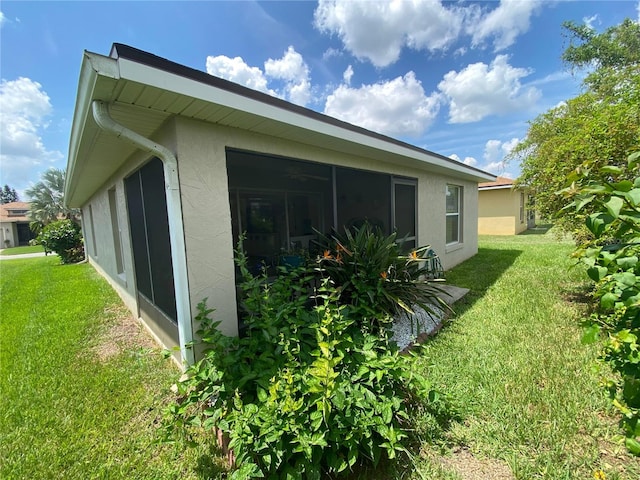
{"type": "Point", "coordinates": [211, 464]}
{"type": "Point", "coordinates": [479, 273]}
{"type": "Point", "coordinates": [538, 229]}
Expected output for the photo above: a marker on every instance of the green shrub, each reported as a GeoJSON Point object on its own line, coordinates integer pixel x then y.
{"type": "Point", "coordinates": [614, 266]}
{"type": "Point", "coordinates": [63, 237]}
{"type": "Point", "coordinates": [372, 273]}
{"type": "Point", "coordinates": [306, 391]}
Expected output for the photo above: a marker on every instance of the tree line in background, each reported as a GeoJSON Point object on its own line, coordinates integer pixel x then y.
{"type": "Point", "coordinates": [8, 195]}
{"type": "Point", "coordinates": [582, 160]}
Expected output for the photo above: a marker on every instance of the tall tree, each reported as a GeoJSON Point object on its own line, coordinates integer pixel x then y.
{"type": "Point", "coordinates": [47, 198]}
{"type": "Point", "coordinates": [599, 127]}
{"type": "Point", "coordinates": [8, 195]}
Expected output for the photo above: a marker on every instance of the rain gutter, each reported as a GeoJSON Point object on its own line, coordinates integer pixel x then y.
{"type": "Point", "coordinates": [174, 210]}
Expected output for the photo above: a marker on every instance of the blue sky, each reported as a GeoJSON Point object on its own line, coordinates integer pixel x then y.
{"type": "Point", "coordinates": [459, 78]}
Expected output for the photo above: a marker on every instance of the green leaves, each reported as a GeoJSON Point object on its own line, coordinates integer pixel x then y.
{"type": "Point", "coordinates": [311, 388]}
{"type": "Point", "coordinates": [373, 273]}
{"type": "Point", "coordinates": [615, 269]}
{"type": "Point", "coordinates": [597, 273]}
{"type": "Point", "coordinates": [613, 206]}
{"type": "Point", "coordinates": [598, 222]}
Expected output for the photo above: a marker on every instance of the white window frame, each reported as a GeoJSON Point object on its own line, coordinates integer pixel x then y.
{"type": "Point", "coordinates": [457, 214]}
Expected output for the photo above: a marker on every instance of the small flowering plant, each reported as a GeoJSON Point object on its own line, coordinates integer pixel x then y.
{"type": "Point", "coordinates": [368, 268]}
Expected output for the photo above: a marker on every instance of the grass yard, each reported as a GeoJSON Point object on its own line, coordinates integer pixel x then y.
{"type": "Point", "coordinates": [83, 388]}
{"type": "Point", "coordinates": [512, 361]}
{"type": "Point", "coordinates": [22, 250]}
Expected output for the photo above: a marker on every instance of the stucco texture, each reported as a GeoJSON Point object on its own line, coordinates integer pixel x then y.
{"type": "Point", "coordinates": [499, 212]}
{"type": "Point", "coordinates": [201, 152]}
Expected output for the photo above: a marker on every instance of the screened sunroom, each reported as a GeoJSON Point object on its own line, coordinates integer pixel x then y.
{"type": "Point", "coordinates": [280, 204]}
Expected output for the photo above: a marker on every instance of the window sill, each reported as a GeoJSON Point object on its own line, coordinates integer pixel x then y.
{"type": "Point", "coordinates": [453, 247]}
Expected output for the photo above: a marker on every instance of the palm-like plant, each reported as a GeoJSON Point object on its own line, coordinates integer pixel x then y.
{"type": "Point", "coordinates": [369, 269]}
{"type": "Point", "coordinates": [47, 199]}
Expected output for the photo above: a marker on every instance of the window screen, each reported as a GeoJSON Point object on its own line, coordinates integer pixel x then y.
{"type": "Point", "coordinates": [149, 225]}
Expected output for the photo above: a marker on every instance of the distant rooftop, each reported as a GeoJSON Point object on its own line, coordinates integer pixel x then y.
{"type": "Point", "coordinates": [501, 182]}
{"type": "Point", "coordinates": [14, 212]}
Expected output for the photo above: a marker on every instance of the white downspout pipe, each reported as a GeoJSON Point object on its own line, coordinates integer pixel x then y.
{"type": "Point", "coordinates": [174, 211]}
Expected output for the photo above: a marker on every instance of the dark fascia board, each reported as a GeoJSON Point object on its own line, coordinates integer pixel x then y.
{"type": "Point", "coordinates": [119, 50]}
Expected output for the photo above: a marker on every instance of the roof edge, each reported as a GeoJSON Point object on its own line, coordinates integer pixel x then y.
{"type": "Point", "coordinates": [119, 50]}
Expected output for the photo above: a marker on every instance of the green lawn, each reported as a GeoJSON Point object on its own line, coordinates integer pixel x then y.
{"type": "Point", "coordinates": [22, 250]}
{"type": "Point", "coordinates": [82, 388]}
{"type": "Point", "coordinates": [512, 360]}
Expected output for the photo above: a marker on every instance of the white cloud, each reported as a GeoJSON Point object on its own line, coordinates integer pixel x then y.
{"type": "Point", "coordinates": [495, 152]}
{"type": "Point", "coordinates": [331, 52]}
{"type": "Point", "coordinates": [347, 75]}
{"type": "Point", "coordinates": [397, 107]}
{"type": "Point", "coordinates": [378, 31]}
{"type": "Point", "coordinates": [494, 167]}
{"type": "Point", "coordinates": [472, 162]}
{"type": "Point", "coordinates": [236, 70]}
{"type": "Point", "coordinates": [25, 107]}
{"type": "Point", "coordinates": [510, 19]}
{"type": "Point", "coordinates": [588, 21]}
{"type": "Point", "coordinates": [481, 90]}
{"type": "Point", "coordinates": [294, 71]}
{"type": "Point", "coordinates": [290, 69]}
{"type": "Point", "coordinates": [2, 19]}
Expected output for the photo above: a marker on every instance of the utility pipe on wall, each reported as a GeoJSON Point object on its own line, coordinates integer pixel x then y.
{"type": "Point", "coordinates": [174, 211]}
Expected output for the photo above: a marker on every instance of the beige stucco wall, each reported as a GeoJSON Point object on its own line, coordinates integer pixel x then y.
{"type": "Point", "coordinates": [499, 212]}
{"type": "Point", "coordinates": [103, 256]}
{"type": "Point", "coordinates": [207, 219]}
{"type": "Point", "coordinates": [201, 151]}
{"type": "Point", "coordinates": [103, 259]}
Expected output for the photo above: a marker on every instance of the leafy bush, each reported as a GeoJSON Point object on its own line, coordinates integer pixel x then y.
{"type": "Point", "coordinates": [371, 272]}
{"type": "Point", "coordinates": [615, 269]}
{"type": "Point", "coordinates": [307, 391]}
{"type": "Point", "coordinates": [64, 238]}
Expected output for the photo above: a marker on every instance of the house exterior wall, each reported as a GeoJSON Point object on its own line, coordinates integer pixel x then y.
{"type": "Point", "coordinates": [100, 230]}
{"type": "Point", "coordinates": [201, 152]}
{"type": "Point", "coordinates": [8, 231]}
{"type": "Point", "coordinates": [499, 212]}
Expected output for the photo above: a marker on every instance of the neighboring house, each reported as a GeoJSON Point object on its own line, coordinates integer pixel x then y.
{"type": "Point", "coordinates": [14, 224]}
{"type": "Point", "coordinates": [504, 209]}
{"type": "Point", "coordinates": [170, 165]}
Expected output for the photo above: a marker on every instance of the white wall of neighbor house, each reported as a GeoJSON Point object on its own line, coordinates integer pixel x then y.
{"type": "Point", "coordinates": [8, 231]}
{"type": "Point", "coordinates": [201, 152]}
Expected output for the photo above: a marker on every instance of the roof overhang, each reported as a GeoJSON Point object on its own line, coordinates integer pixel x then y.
{"type": "Point", "coordinates": [497, 187]}
{"type": "Point", "coordinates": [144, 91]}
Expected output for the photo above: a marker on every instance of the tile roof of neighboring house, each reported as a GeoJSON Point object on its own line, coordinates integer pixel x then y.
{"type": "Point", "coordinates": [8, 212]}
{"type": "Point", "coordinates": [501, 182]}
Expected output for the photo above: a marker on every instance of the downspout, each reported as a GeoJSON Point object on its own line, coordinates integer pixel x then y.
{"type": "Point", "coordinates": [174, 211]}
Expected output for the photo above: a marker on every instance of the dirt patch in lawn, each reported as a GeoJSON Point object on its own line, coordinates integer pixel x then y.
{"type": "Point", "coordinates": [468, 467]}
{"type": "Point", "coordinates": [122, 333]}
